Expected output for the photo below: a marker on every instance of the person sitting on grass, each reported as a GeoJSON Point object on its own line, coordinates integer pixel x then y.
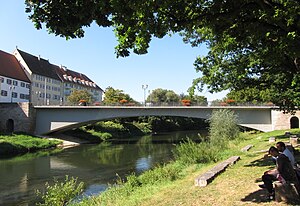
{"type": "Point", "coordinates": [283, 172]}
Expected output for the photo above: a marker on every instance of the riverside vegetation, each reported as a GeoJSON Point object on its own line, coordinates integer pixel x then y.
{"type": "Point", "coordinates": [15, 144]}
{"type": "Point", "coordinates": [173, 183]}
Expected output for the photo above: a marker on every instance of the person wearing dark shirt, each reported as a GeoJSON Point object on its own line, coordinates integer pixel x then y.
{"type": "Point", "coordinates": [283, 172]}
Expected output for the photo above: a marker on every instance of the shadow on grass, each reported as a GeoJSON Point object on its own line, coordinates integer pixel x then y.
{"type": "Point", "coordinates": [259, 196]}
{"type": "Point", "coordinates": [262, 162]}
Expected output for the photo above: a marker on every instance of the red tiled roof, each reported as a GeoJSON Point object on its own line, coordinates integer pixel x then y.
{"type": "Point", "coordinates": [10, 67]}
{"type": "Point", "coordinates": [74, 76]}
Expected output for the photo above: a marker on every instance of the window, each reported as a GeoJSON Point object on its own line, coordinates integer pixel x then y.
{"type": "Point", "coordinates": [15, 83]}
{"type": "Point", "coordinates": [28, 86]}
{"type": "Point", "coordinates": [8, 81]}
{"type": "Point", "coordinates": [3, 93]}
{"type": "Point", "coordinates": [22, 84]}
{"type": "Point", "coordinates": [27, 96]}
{"type": "Point", "coordinates": [56, 97]}
{"type": "Point", "coordinates": [1, 79]}
{"type": "Point", "coordinates": [14, 95]}
{"type": "Point", "coordinates": [22, 96]}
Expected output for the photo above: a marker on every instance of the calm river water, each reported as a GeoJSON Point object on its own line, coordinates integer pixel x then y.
{"type": "Point", "coordinates": [95, 165]}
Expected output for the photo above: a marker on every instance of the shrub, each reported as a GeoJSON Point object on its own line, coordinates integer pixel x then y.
{"type": "Point", "coordinates": [223, 126]}
{"type": "Point", "coordinates": [190, 152]}
{"type": "Point", "coordinates": [168, 172]}
{"type": "Point", "coordinates": [61, 193]}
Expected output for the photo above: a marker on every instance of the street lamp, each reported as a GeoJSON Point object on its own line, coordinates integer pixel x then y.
{"type": "Point", "coordinates": [145, 87]}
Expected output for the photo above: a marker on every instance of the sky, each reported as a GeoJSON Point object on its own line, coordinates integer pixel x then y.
{"type": "Point", "coordinates": [168, 64]}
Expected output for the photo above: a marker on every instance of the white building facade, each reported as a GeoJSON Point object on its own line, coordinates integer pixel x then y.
{"type": "Point", "coordinates": [14, 83]}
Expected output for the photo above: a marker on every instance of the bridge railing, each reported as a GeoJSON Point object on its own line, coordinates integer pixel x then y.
{"type": "Point", "coordinates": [176, 104]}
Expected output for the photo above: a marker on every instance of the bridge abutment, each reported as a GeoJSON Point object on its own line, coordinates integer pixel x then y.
{"type": "Point", "coordinates": [17, 117]}
{"type": "Point", "coordinates": [282, 121]}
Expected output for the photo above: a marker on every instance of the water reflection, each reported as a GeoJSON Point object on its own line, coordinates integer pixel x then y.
{"type": "Point", "coordinates": [96, 165]}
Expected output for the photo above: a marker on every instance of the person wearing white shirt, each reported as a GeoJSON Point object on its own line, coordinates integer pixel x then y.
{"type": "Point", "coordinates": [282, 148]}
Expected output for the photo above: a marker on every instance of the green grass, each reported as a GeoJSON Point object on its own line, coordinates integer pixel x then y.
{"type": "Point", "coordinates": [173, 184]}
{"type": "Point", "coordinates": [20, 143]}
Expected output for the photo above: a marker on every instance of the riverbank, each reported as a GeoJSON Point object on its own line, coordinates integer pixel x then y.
{"type": "Point", "coordinates": [238, 185]}
{"type": "Point", "coordinates": [16, 144]}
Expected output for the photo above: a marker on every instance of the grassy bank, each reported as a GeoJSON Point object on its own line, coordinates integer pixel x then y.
{"type": "Point", "coordinates": [20, 144]}
{"type": "Point", "coordinates": [173, 184]}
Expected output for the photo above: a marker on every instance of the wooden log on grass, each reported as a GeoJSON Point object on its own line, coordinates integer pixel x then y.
{"type": "Point", "coordinates": [207, 177]}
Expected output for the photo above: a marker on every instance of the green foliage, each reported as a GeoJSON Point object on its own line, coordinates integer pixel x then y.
{"type": "Point", "coordinates": [250, 95]}
{"type": "Point", "coordinates": [103, 136]}
{"type": "Point", "coordinates": [223, 127]}
{"type": "Point", "coordinates": [190, 152]}
{"type": "Point", "coordinates": [78, 95]}
{"type": "Point", "coordinates": [155, 176]}
{"type": "Point", "coordinates": [167, 124]}
{"type": "Point", "coordinates": [61, 193]}
{"type": "Point", "coordinates": [251, 43]}
{"type": "Point", "coordinates": [116, 96]}
{"type": "Point", "coordinates": [166, 172]}
{"type": "Point", "coordinates": [195, 99]}
{"type": "Point", "coordinates": [17, 144]}
{"type": "Point", "coordinates": [163, 96]}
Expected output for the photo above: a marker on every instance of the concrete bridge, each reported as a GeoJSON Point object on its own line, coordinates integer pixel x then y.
{"type": "Point", "coordinates": [16, 117]}
{"type": "Point", "coordinates": [56, 118]}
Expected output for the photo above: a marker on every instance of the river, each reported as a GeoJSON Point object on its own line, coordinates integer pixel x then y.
{"type": "Point", "coordinates": [95, 165]}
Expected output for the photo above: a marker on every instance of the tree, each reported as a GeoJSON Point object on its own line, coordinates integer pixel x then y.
{"type": "Point", "coordinates": [195, 99]}
{"type": "Point", "coordinates": [251, 43]}
{"type": "Point", "coordinates": [116, 96]}
{"type": "Point", "coordinates": [250, 95]}
{"type": "Point", "coordinates": [80, 95]}
{"type": "Point", "coordinates": [163, 96]}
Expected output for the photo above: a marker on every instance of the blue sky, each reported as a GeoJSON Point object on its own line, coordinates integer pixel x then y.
{"type": "Point", "coordinates": [168, 64]}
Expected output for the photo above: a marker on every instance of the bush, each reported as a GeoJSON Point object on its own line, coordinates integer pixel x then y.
{"type": "Point", "coordinates": [190, 152]}
{"type": "Point", "coordinates": [223, 127]}
{"type": "Point", "coordinates": [61, 193]}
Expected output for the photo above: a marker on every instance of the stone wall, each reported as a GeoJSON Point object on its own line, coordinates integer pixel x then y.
{"type": "Point", "coordinates": [281, 121]}
{"type": "Point", "coordinates": [20, 115]}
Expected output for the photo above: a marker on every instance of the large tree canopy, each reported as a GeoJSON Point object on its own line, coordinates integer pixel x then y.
{"type": "Point", "coordinates": [252, 43]}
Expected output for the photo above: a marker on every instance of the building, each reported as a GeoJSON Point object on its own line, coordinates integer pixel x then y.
{"type": "Point", "coordinates": [76, 81]}
{"type": "Point", "coordinates": [14, 83]}
{"type": "Point", "coordinates": [52, 84]}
